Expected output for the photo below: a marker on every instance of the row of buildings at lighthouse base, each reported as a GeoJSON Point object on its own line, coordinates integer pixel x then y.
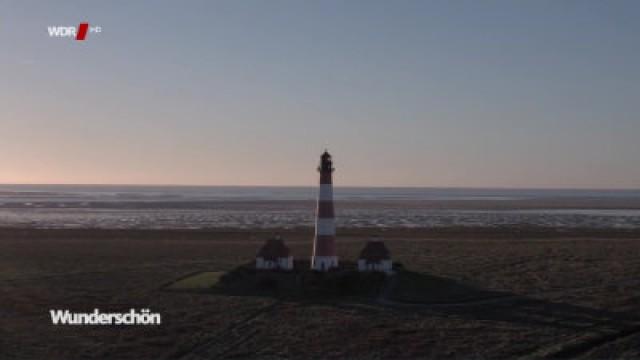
{"type": "Point", "coordinates": [275, 255]}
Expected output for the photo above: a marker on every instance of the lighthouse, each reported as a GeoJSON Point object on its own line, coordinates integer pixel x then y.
{"type": "Point", "coordinates": [324, 250]}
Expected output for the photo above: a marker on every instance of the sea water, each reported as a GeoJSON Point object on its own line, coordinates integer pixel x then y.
{"type": "Point", "coordinates": [159, 207]}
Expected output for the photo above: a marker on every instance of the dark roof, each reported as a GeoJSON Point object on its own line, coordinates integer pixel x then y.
{"type": "Point", "coordinates": [375, 251]}
{"type": "Point", "coordinates": [273, 249]}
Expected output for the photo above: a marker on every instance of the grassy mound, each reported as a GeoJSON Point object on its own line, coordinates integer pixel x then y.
{"type": "Point", "coordinates": [345, 282]}
{"type": "Point", "coordinates": [302, 282]}
{"type": "Point", "coordinates": [412, 287]}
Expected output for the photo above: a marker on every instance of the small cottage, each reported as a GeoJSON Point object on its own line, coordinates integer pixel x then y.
{"type": "Point", "coordinates": [274, 255]}
{"type": "Point", "coordinates": [375, 257]}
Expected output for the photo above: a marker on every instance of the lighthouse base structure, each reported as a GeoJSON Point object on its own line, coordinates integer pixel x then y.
{"type": "Point", "coordinates": [324, 263]}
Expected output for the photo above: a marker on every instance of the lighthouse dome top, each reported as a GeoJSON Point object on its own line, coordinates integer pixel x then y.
{"type": "Point", "coordinates": [326, 165]}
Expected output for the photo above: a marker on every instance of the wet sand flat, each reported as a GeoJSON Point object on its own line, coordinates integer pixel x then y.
{"type": "Point", "coordinates": [564, 294]}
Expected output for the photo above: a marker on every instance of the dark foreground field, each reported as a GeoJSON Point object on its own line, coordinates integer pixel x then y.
{"type": "Point", "coordinates": [558, 294]}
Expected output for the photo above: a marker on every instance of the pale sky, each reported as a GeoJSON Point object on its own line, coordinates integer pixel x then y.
{"type": "Point", "coordinates": [427, 93]}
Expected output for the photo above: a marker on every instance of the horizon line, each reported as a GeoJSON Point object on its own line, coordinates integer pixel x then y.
{"type": "Point", "coordinates": [338, 186]}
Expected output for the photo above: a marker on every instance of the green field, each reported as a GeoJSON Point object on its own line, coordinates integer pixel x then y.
{"type": "Point", "coordinates": [200, 281]}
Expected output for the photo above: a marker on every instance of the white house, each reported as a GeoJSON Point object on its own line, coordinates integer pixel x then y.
{"type": "Point", "coordinates": [375, 257]}
{"type": "Point", "coordinates": [274, 255]}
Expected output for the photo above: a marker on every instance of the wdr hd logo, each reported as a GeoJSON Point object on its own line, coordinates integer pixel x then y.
{"type": "Point", "coordinates": [78, 32]}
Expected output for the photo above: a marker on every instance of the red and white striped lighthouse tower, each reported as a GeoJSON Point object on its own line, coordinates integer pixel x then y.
{"type": "Point", "coordinates": [324, 249]}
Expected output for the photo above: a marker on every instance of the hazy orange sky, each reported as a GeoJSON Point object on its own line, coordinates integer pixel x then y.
{"type": "Point", "coordinates": [424, 93]}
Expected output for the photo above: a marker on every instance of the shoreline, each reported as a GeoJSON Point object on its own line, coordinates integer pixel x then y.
{"type": "Point", "coordinates": [514, 204]}
{"type": "Point", "coordinates": [469, 233]}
